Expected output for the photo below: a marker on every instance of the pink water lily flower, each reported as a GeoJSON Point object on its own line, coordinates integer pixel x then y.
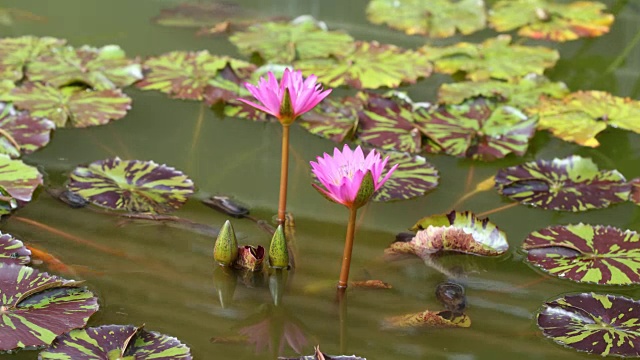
{"type": "Point", "coordinates": [344, 176]}
{"type": "Point", "coordinates": [290, 98]}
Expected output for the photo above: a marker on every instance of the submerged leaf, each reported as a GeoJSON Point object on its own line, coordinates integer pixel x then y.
{"type": "Point", "coordinates": [427, 318]}
{"type": "Point", "coordinates": [413, 177]}
{"type": "Point", "coordinates": [13, 251]}
{"type": "Point", "coordinates": [17, 53]}
{"type": "Point", "coordinates": [334, 119]}
{"type": "Point", "coordinates": [322, 356]}
{"type": "Point", "coordinates": [29, 133]}
{"type": "Point", "coordinates": [205, 14]}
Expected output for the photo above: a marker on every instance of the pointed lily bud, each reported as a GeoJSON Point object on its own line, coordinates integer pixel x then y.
{"type": "Point", "coordinates": [278, 252]}
{"type": "Point", "coordinates": [225, 250]}
{"type": "Point", "coordinates": [287, 115]}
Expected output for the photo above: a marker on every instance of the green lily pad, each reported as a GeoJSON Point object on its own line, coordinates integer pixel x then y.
{"type": "Point", "coordinates": [569, 184]}
{"type": "Point", "coordinates": [242, 110]}
{"type": "Point", "coordinates": [5, 87]}
{"type": "Point", "coordinates": [29, 133]}
{"type": "Point", "coordinates": [13, 251]}
{"type": "Point", "coordinates": [17, 53]}
{"type": "Point", "coordinates": [18, 179]}
{"type": "Point", "coordinates": [36, 307]}
{"type": "Point", "coordinates": [131, 185]}
{"type": "Point", "coordinates": [549, 20]}
{"type": "Point", "coordinates": [425, 319]}
{"type": "Point", "coordinates": [582, 115]}
{"type": "Point", "coordinates": [495, 58]}
{"type": "Point", "coordinates": [115, 342]}
{"type": "Point", "coordinates": [480, 129]}
{"type": "Point", "coordinates": [9, 16]}
{"type": "Point", "coordinates": [189, 75]}
{"type": "Point", "coordinates": [71, 106]}
{"type": "Point", "coordinates": [413, 177]}
{"type": "Point", "coordinates": [597, 254]}
{"type": "Point", "coordinates": [279, 42]}
{"type": "Point", "coordinates": [601, 324]}
{"type": "Point", "coordinates": [435, 18]}
{"type": "Point", "coordinates": [334, 119]}
{"type": "Point", "coordinates": [370, 65]}
{"type": "Point", "coordinates": [102, 69]}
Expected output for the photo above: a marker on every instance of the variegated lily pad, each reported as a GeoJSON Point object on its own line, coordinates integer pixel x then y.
{"type": "Point", "coordinates": [101, 69]}
{"type": "Point", "coordinates": [131, 185]}
{"type": "Point", "coordinates": [434, 18]}
{"type": "Point", "coordinates": [634, 196]}
{"type": "Point", "coordinates": [71, 106]}
{"type": "Point", "coordinates": [550, 20]}
{"type": "Point", "coordinates": [569, 184]}
{"type": "Point", "coordinates": [115, 342]}
{"type": "Point", "coordinates": [586, 253]}
{"type": "Point", "coordinates": [18, 179]}
{"type": "Point", "coordinates": [414, 177]}
{"type": "Point", "coordinates": [493, 59]}
{"type": "Point", "coordinates": [27, 132]}
{"type": "Point", "coordinates": [334, 119]}
{"type": "Point", "coordinates": [36, 307]}
{"type": "Point", "coordinates": [601, 324]}
{"type": "Point", "coordinates": [13, 251]}
{"type": "Point", "coordinates": [17, 53]}
{"type": "Point", "coordinates": [425, 319]}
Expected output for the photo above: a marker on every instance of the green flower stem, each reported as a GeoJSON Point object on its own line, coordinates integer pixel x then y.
{"type": "Point", "coordinates": [284, 174]}
{"type": "Point", "coordinates": [348, 247]}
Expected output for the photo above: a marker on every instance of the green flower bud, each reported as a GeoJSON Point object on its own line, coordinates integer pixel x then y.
{"type": "Point", "coordinates": [278, 252]}
{"type": "Point", "coordinates": [225, 250]}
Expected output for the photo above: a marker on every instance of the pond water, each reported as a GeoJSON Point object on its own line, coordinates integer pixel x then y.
{"type": "Point", "coordinates": [165, 277]}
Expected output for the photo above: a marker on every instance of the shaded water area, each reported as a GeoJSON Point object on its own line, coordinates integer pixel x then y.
{"type": "Point", "coordinates": [150, 273]}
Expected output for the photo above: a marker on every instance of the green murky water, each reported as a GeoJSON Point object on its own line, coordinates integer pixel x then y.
{"type": "Point", "coordinates": [166, 281]}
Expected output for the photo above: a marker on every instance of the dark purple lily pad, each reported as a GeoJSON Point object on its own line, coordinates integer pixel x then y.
{"type": "Point", "coordinates": [322, 356]}
{"type": "Point", "coordinates": [17, 53]}
{"type": "Point", "coordinates": [13, 251]}
{"type": "Point", "coordinates": [27, 132]}
{"type": "Point", "coordinates": [569, 184]}
{"type": "Point", "coordinates": [426, 319]}
{"type": "Point", "coordinates": [131, 185]}
{"type": "Point", "coordinates": [601, 324]}
{"type": "Point", "coordinates": [36, 307]}
{"type": "Point", "coordinates": [634, 196]}
{"type": "Point", "coordinates": [115, 342]}
{"type": "Point", "coordinates": [586, 253]}
{"type": "Point", "coordinates": [18, 179]}
{"type": "Point", "coordinates": [413, 177]}
{"type": "Point", "coordinates": [334, 119]}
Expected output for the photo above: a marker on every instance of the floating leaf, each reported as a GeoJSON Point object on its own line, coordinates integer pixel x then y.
{"type": "Point", "coordinates": [427, 318]}
{"type": "Point", "coordinates": [370, 284]}
{"type": "Point", "coordinates": [199, 14]}
{"type": "Point", "coordinates": [18, 179]}
{"type": "Point", "coordinates": [322, 356]}
{"type": "Point", "coordinates": [480, 129]}
{"type": "Point", "coordinates": [435, 18]}
{"type": "Point", "coordinates": [36, 307]}
{"type": "Point", "coordinates": [115, 342]}
{"type": "Point", "coordinates": [570, 184]}
{"type": "Point", "coordinates": [414, 177]}
{"type": "Point", "coordinates": [495, 58]}
{"type": "Point", "coordinates": [17, 53]}
{"type": "Point", "coordinates": [13, 251]}
{"type": "Point", "coordinates": [543, 19]}
{"type": "Point", "coordinates": [9, 15]}
{"type": "Point", "coordinates": [278, 42]}
{"type": "Point", "coordinates": [582, 115]}
{"type": "Point", "coordinates": [334, 119]}
{"type": "Point", "coordinates": [584, 253]}
{"type": "Point", "coordinates": [369, 65]}
{"type": "Point", "coordinates": [634, 196]}
{"type": "Point", "coordinates": [28, 132]}
{"type": "Point", "coordinates": [600, 324]}
{"type": "Point", "coordinates": [242, 110]}
{"type": "Point", "coordinates": [131, 185]}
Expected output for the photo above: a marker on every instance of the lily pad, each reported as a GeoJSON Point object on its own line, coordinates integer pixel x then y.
{"type": "Point", "coordinates": [13, 251]}
{"type": "Point", "coordinates": [370, 65]}
{"type": "Point", "coordinates": [242, 110]}
{"type": "Point", "coordinates": [17, 53]}
{"type": "Point", "coordinates": [334, 119]}
{"type": "Point", "coordinates": [36, 307]}
{"type": "Point", "coordinates": [279, 42]}
{"type": "Point", "coordinates": [428, 318]}
{"type": "Point", "coordinates": [413, 177]}
{"type": "Point", "coordinates": [18, 179]}
{"type": "Point", "coordinates": [27, 132]}
{"type": "Point", "coordinates": [71, 106]}
{"type": "Point", "coordinates": [582, 115]}
{"type": "Point", "coordinates": [190, 75]}
{"type": "Point", "coordinates": [543, 19]}
{"type": "Point", "coordinates": [597, 254]}
{"type": "Point", "coordinates": [634, 196]}
{"type": "Point", "coordinates": [131, 185]}
{"type": "Point", "coordinates": [115, 342]}
{"type": "Point", "coordinates": [493, 59]}
{"type": "Point", "coordinates": [435, 18]}
{"type": "Point", "coordinates": [480, 129]}
{"type": "Point", "coordinates": [600, 324]}
{"type": "Point", "coordinates": [322, 356]}
{"type": "Point", "coordinates": [569, 184]}
{"type": "Point", "coordinates": [206, 14]}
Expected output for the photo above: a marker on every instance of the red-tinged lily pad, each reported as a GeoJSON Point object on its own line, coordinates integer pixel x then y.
{"type": "Point", "coordinates": [634, 196]}
{"type": "Point", "coordinates": [71, 106]}
{"type": "Point", "coordinates": [582, 115]}
{"type": "Point", "coordinates": [334, 119]}
{"type": "Point", "coordinates": [18, 179]}
{"type": "Point", "coordinates": [115, 342]}
{"type": "Point", "coordinates": [17, 53]}
{"type": "Point", "coordinates": [601, 324]}
{"type": "Point", "coordinates": [278, 42]}
{"type": "Point", "coordinates": [36, 307]}
{"type": "Point", "coordinates": [13, 251]}
{"type": "Point", "coordinates": [101, 69]}
{"type": "Point", "coordinates": [27, 133]}
{"type": "Point", "coordinates": [493, 59]}
{"type": "Point", "coordinates": [413, 177]}
{"type": "Point", "coordinates": [369, 65]}
{"type": "Point", "coordinates": [435, 18]}
{"type": "Point", "coordinates": [479, 128]}
{"type": "Point", "coordinates": [597, 254]}
{"type": "Point", "coordinates": [568, 184]}
{"type": "Point", "coordinates": [250, 258]}
{"type": "Point", "coordinates": [427, 319]}
{"type": "Point", "coordinates": [318, 355]}
{"type": "Point", "coordinates": [131, 185]}
{"type": "Point", "coordinates": [191, 75]}
{"type": "Point", "coordinates": [544, 19]}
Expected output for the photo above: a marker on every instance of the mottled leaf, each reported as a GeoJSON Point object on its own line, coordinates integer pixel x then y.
{"type": "Point", "coordinates": [495, 58]}
{"type": "Point", "coordinates": [206, 14]}
{"type": "Point", "coordinates": [569, 184]}
{"type": "Point", "coordinates": [18, 179]}
{"type": "Point", "coordinates": [318, 355]}
{"type": "Point", "coordinates": [634, 196]}
{"type": "Point", "coordinates": [131, 185]}
{"type": "Point", "coordinates": [550, 20]}
{"type": "Point", "coordinates": [242, 110]}
{"type": "Point", "coordinates": [27, 132]}
{"type": "Point", "coordinates": [428, 318]}
{"type": "Point", "coordinates": [17, 53]}
{"type": "Point", "coordinates": [13, 251]}
{"type": "Point", "coordinates": [414, 177]}
{"type": "Point", "coordinates": [334, 119]}
{"type": "Point", "coordinates": [600, 324]}
{"type": "Point", "coordinates": [434, 18]}
{"type": "Point", "coordinates": [585, 253]}
{"type": "Point", "coordinates": [36, 307]}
